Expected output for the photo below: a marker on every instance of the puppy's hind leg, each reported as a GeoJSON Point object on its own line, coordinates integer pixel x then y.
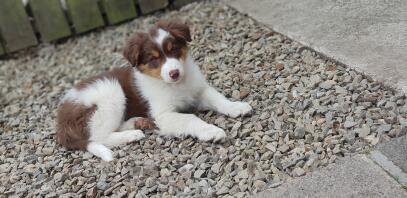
{"type": "Point", "coordinates": [110, 100]}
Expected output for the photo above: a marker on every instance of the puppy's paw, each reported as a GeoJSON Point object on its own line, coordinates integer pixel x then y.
{"type": "Point", "coordinates": [134, 135]}
{"type": "Point", "coordinates": [211, 132]}
{"type": "Point", "coordinates": [107, 156]}
{"type": "Point", "coordinates": [144, 123]}
{"type": "Point", "coordinates": [236, 109]}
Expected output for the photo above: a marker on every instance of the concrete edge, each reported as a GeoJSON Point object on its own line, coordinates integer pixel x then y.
{"type": "Point", "coordinates": [393, 170]}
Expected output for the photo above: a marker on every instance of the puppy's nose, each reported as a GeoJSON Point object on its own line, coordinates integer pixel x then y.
{"type": "Point", "coordinates": [174, 74]}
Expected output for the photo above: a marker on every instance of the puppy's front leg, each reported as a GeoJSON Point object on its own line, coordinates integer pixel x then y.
{"type": "Point", "coordinates": [212, 99]}
{"type": "Point", "coordinates": [179, 124]}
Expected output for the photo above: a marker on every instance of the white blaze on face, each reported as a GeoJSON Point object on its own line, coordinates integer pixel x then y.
{"type": "Point", "coordinates": [170, 65]}
{"type": "Point", "coordinates": [161, 36]}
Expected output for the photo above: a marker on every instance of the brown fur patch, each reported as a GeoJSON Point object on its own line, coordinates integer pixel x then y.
{"type": "Point", "coordinates": [153, 72]}
{"type": "Point", "coordinates": [144, 123]}
{"type": "Point", "coordinates": [176, 28]}
{"type": "Point", "coordinates": [135, 105]}
{"type": "Point", "coordinates": [72, 125]}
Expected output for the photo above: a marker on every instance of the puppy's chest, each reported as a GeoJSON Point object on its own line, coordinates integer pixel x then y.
{"type": "Point", "coordinates": [183, 97]}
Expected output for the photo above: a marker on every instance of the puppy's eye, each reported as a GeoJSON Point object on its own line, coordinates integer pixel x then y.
{"type": "Point", "coordinates": [154, 62]}
{"type": "Point", "coordinates": [175, 48]}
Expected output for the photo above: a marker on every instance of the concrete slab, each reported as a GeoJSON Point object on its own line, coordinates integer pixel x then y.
{"type": "Point", "coordinates": [396, 151]}
{"type": "Point", "coordinates": [355, 176]}
{"type": "Point", "coordinates": [369, 36]}
{"type": "Point", "coordinates": [389, 167]}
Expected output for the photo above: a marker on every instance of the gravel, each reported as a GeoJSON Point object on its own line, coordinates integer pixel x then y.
{"type": "Point", "coordinates": [308, 111]}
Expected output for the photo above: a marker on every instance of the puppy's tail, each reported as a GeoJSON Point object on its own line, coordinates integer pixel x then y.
{"type": "Point", "coordinates": [100, 150]}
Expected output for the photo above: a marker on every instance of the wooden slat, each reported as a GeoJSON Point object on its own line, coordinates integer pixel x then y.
{"type": "Point", "coordinates": [119, 10]}
{"type": "Point", "coordinates": [85, 14]}
{"type": "Point", "coordinates": [50, 19]}
{"type": "Point", "coordinates": [148, 6]}
{"type": "Point", "coordinates": [1, 50]}
{"type": "Point", "coordinates": [15, 26]}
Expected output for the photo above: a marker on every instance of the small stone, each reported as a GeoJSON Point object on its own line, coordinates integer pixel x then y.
{"type": "Point", "coordinates": [198, 173]}
{"type": "Point", "coordinates": [384, 127]}
{"type": "Point", "coordinates": [30, 168]}
{"type": "Point", "coordinates": [364, 131]}
{"type": "Point", "coordinates": [244, 92]}
{"type": "Point", "coordinates": [243, 174]}
{"type": "Point", "coordinates": [102, 185]}
{"type": "Point", "coordinates": [327, 84]}
{"type": "Point", "coordinates": [236, 94]}
{"type": "Point", "coordinates": [271, 147]}
{"type": "Point", "coordinates": [60, 177]}
{"type": "Point", "coordinates": [349, 136]}
{"type": "Point", "coordinates": [349, 124]}
{"type": "Point", "coordinates": [150, 182]}
{"type": "Point", "coordinates": [284, 148]}
{"type": "Point", "coordinates": [91, 192]}
{"type": "Point", "coordinates": [259, 184]}
{"type": "Point", "coordinates": [185, 168]}
{"type": "Point", "coordinates": [299, 132]}
{"type": "Point", "coordinates": [298, 171]}
{"type": "Point", "coordinates": [165, 172]}
{"type": "Point", "coordinates": [216, 167]}
{"type": "Point", "coordinates": [279, 66]}
{"type": "Point", "coordinates": [4, 168]}
{"type": "Point", "coordinates": [337, 149]}
{"type": "Point", "coordinates": [48, 150]}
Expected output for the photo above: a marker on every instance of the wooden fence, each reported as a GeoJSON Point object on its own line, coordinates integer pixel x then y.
{"type": "Point", "coordinates": [25, 24]}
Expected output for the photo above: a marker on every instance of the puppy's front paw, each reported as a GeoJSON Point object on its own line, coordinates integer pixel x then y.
{"type": "Point", "coordinates": [236, 109]}
{"type": "Point", "coordinates": [134, 135]}
{"type": "Point", "coordinates": [211, 133]}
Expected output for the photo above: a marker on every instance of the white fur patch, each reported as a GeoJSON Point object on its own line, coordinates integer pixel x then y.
{"type": "Point", "coordinates": [100, 150]}
{"type": "Point", "coordinates": [161, 36]}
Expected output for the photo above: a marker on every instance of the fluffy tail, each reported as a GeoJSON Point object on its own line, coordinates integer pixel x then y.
{"type": "Point", "coordinates": [100, 150]}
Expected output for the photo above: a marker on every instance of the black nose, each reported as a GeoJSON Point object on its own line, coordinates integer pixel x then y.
{"type": "Point", "coordinates": [174, 74]}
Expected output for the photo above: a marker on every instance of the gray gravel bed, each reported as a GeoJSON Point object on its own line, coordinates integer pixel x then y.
{"type": "Point", "coordinates": [307, 112]}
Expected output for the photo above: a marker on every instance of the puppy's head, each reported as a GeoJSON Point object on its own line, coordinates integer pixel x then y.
{"type": "Point", "coordinates": [161, 53]}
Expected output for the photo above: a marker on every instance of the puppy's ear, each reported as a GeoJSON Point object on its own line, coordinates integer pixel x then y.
{"type": "Point", "coordinates": [133, 47]}
{"type": "Point", "coordinates": [176, 28]}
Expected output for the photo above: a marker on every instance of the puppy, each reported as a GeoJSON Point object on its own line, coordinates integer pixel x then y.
{"type": "Point", "coordinates": [101, 112]}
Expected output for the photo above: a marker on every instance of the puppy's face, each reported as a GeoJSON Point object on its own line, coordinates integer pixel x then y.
{"type": "Point", "coordinates": [161, 53]}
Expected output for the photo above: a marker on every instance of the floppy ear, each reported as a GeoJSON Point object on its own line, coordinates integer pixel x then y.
{"type": "Point", "coordinates": [133, 47]}
{"type": "Point", "coordinates": [176, 28]}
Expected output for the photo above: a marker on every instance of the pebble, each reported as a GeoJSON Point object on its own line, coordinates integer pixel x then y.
{"type": "Point", "coordinates": [327, 84]}
{"type": "Point", "coordinates": [299, 132]}
{"type": "Point", "coordinates": [298, 171]}
{"type": "Point", "coordinates": [349, 124]}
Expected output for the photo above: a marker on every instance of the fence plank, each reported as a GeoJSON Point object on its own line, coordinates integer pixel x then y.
{"type": "Point", "coordinates": [50, 19]}
{"type": "Point", "coordinates": [85, 14]}
{"type": "Point", "coordinates": [148, 6]}
{"type": "Point", "coordinates": [119, 10]}
{"type": "Point", "coordinates": [1, 50]}
{"type": "Point", "coordinates": [15, 26]}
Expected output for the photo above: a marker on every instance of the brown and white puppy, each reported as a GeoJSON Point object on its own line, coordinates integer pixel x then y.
{"type": "Point", "coordinates": [100, 112]}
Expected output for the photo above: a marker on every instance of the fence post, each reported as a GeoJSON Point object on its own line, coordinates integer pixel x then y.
{"type": "Point", "coordinates": [15, 26]}
{"type": "Point", "coordinates": [50, 19]}
{"type": "Point", "coordinates": [119, 10]}
{"type": "Point", "coordinates": [85, 14]}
